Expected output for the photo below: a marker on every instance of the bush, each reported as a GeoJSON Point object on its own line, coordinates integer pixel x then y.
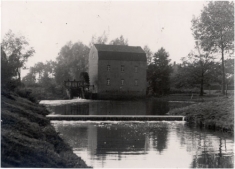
{"type": "Point", "coordinates": [26, 93]}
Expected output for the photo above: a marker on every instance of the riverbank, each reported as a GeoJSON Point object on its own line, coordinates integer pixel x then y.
{"type": "Point", "coordinates": [214, 113]}
{"type": "Point", "coordinates": [29, 140]}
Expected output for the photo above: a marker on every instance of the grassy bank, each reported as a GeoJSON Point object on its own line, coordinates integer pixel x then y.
{"type": "Point", "coordinates": [29, 140]}
{"type": "Point", "coordinates": [216, 113]}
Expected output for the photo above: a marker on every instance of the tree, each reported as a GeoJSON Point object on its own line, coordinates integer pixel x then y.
{"type": "Point", "coordinates": [229, 75]}
{"type": "Point", "coordinates": [158, 73]}
{"type": "Point", "coordinates": [29, 79]}
{"type": "Point", "coordinates": [38, 70]}
{"type": "Point", "coordinates": [7, 70]}
{"type": "Point", "coordinates": [17, 51]}
{"type": "Point", "coordinates": [40, 74]}
{"type": "Point", "coordinates": [119, 41]}
{"type": "Point", "coordinates": [148, 54]}
{"type": "Point", "coordinates": [214, 29]}
{"type": "Point", "coordinates": [229, 69]}
{"type": "Point", "coordinates": [71, 61]}
{"type": "Point", "coordinates": [98, 40]}
{"type": "Point", "coordinates": [196, 69]}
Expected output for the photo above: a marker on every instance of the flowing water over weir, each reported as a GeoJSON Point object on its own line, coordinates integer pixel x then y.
{"type": "Point", "coordinates": [138, 134]}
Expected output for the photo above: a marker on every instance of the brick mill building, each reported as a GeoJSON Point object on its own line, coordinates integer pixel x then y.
{"type": "Point", "coordinates": [117, 71]}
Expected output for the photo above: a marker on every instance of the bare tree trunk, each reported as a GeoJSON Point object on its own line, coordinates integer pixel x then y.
{"type": "Point", "coordinates": [18, 72]}
{"type": "Point", "coordinates": [226, 89]}
{"type": "Point", "coordinates": [201, 89]}
{"type": "Point", "coordinates": [223, 73]}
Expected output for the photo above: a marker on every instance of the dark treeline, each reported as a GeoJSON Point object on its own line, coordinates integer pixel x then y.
{"type": "Point", "coordinates": [214, 35]}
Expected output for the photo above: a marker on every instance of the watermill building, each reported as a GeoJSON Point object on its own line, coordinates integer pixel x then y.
{"type": "Point", "coordinates": [117, 71]}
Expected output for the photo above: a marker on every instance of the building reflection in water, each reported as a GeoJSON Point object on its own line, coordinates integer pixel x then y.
{"type": "Point", "coordinates": [160, 144]}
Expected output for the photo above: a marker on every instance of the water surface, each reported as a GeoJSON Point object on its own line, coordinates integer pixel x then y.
{"type": "Point", "coordinates": [147, 144]}
{"type": "Point", "coordinates": [143, 144]}
{"type": "Point", "coordinates": [91, 107]}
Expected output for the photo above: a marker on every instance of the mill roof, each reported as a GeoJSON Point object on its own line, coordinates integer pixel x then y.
{"type": "Point", "coordinates": [120, 52]}
{"type": "Point", "coordinates": [119, 48]}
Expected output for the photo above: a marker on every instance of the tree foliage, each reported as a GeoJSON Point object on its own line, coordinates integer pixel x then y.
{"type": "Point", "coordinates": [149, 54]}
{"type": "Point", "coordinates": [71, 61]}
{"type": "Point", "coordinates": [214, 29]}
{"type": "Point", "coordinates": [229, 75]}
{"type": "Point", "coordinates": [119, 41]}
{"type": "Point", "coordinates": [41, 74]}
{"type": "Point", "coordinates": [99, 40]}
{"type": "Point", "coordinates": [158, 73]}
{"type": "Point", "coordinates": [17, 52]}
{"type": "Point", "coordinates": [6, 69]}
{"type": "Point", "coordinates": [197, 70]}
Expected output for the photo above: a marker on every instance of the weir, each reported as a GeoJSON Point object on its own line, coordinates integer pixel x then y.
{"type": "Point", "coordinates": [115, 118]}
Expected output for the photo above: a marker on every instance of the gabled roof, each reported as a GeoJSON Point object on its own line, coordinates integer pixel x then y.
{"type": "Point", "coordinates": [119, 48]}
{"type": "Point", "coordinates": [120, 52]}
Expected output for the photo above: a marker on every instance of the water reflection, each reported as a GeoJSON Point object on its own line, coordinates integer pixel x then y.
{"type": "Point", "coordinates": [212, 149]}
{"type": "Point", "coordinates": [160, 135]}
{"type": "Point", "coordinates": [158, 144]}
{"type": "Point", "coordinates": [140, 107]}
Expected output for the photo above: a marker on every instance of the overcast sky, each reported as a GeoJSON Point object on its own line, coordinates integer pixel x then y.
{"type": "Point", "coordinates": [48, 25]}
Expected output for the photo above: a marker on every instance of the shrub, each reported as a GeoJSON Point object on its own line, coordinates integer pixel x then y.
{"type": "Point", "coordinates": [26, 93]}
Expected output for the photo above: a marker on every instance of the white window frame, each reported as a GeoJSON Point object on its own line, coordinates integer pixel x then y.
{"type": "Point", "coordinates": [108, 82]}
{"type": "Point", "coordinates": [108, 68]}
{"type": "Point", "coordinates": [122, 82]}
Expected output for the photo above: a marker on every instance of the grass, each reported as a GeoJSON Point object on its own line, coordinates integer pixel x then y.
{"type": "Point", "coordinates": [214, 113]}
{"type": "Point", "coordinates": [29, 140]}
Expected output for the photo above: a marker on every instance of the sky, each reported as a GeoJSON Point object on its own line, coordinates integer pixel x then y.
{"type": "Point", "coordinates": [49, 25]}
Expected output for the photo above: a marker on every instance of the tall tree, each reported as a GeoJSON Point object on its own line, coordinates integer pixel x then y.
{"type": "Point", "coordinates": [119, 41]}
{"type": "Point", "coordinates": [17, 51]}
{"type": "Point", "coordinates": [229, 65]}
{"type": "Point", "coordinates": [214, 29]}
{"type": "Point", "coordinates": [229, 75]}
{"type": "Point", "coordinates": [6, 70]}
{"type": "Point", "coordinates": [158, 73]}
{"type": "Point", "coordinates": [196, 69]}
{"type": "Point", "coordinates": [40, 74]}
{"type": "Point", "coordinates": [29, 79]}
{"type": "Point", "coordinates": [148, 54]}
{"type": "Point", "coordinates": [71, 61]}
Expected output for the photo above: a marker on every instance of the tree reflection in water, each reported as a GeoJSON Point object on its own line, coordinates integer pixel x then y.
{"type": "Point", "coordinates": [108, 142]}
{"type": "Point", "coordinates": [209, 147]}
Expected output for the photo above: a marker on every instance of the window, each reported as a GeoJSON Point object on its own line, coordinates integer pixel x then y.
{"type": "Point", "coordinates": [122, 68]}
{"type": "Point", "coordinates": [108, 68]}
{"type": "Point", "coordinates": [136, 69]}
{"type": "Point", "coordinates": [136, 82]}
{"type": "Point", "coordinates": [108, 82]}
{"type": "Point", "coordinates": [122, 82]}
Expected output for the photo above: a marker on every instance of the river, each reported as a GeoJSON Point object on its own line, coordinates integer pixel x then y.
{"type": "Point", "coordinates": [140, 144]}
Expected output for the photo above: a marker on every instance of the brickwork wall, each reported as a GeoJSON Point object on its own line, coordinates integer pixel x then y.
{"type": "Point", "coordinates": [129, 76]}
